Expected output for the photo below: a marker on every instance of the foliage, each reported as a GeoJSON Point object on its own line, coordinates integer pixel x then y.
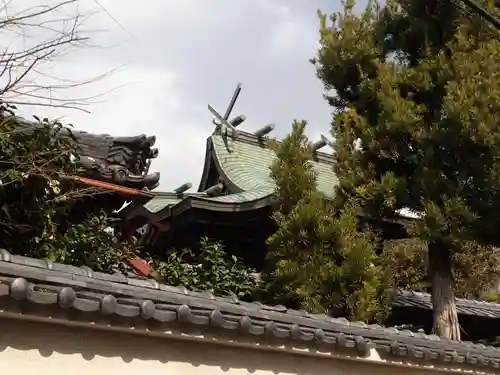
{"type": "Point", "coordinates": [292, 171]}
{"type": "Point", "coordinates": [92, 243]}
{"type": "Point", "coordinates": [36, 199]}
{"type": "Point", "coordinates": [210, 268]}
{"type": "Point", "coordinates": [417, 96]}
{"type": "Point", "coordinates": [475, 273]}
{"type": "Point", "coordinates": [30, 184]}
{"type": "Point", "coordinates": [408, 262]}
{"type": "Point", "coordinates": [320, 260]}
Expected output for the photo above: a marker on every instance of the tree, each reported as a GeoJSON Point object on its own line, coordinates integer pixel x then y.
{"type": "Point", "coordinates": [318, 259]}
{"type": "Point", "coordinates": [416, 98]}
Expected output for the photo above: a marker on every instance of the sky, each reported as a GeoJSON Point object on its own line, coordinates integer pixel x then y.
{"type": "Point", "coordinates": [163, 61]}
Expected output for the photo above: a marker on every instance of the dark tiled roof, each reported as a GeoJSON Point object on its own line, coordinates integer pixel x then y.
{"type": "Point", "coordinates": [42, 283]}
{"type": "Point", "coordinates": [464, 306]}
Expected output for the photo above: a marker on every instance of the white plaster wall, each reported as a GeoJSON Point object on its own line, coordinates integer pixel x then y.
{"type": "Point", "coordinates": [40, 349]}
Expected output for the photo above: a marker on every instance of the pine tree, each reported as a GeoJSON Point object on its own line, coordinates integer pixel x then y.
{"type": "Point", "coordinates": [319, 260]}
{"type": "Point", "coordinates": [416, 92]}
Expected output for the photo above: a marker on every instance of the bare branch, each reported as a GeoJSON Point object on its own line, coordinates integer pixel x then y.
{"type": "Point", "coordinates": [36, 37]}
{"type": "Point", "coordinates": [76, 106]}
{"type": "Point", "coordinates": [33, 13]}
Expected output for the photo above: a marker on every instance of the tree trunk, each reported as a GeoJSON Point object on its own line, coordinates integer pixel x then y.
{"type": "Point", "coordinates": [443, 296]}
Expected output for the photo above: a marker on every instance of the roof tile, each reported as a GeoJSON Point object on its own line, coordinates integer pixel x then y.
{"type": "Point", "coordinates": [66, 288]}
{"type": "Point", "coordinates": [419, 300]}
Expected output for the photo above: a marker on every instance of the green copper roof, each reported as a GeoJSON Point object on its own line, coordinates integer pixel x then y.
{"type": "Point", "coordinates": [160, 202]}
{"type": "Point", "coordinates": [243, 163]}
{"type": "Point", "coordinates": [246, 164]}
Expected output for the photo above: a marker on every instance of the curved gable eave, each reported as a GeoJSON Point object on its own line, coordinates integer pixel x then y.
{"type": "Point", "coordinates": [207, 166]}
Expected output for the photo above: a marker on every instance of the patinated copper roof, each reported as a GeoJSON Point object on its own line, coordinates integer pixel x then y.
{"type": "Point", "coordinates": [243, 163]}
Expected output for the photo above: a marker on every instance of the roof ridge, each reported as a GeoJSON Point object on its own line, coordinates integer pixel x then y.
{"type": "Point", "coordinates": [173, 194]}
{"type": "Point", "coordinates": [459, 300]}
{"type": "Point", "coordinates": [49, 265]}
{"type": "Point", "coordinates": [186, 194]}
{"type": "Point", "coordinates": [120, 278]}
{"type": "Point", "coordinates": [250, 138]}
{"type": "Point", "coordinates": [45, 282]}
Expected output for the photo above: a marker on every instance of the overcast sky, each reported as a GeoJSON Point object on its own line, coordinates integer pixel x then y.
{"type": "Point", "coordinates": [176, 56]}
